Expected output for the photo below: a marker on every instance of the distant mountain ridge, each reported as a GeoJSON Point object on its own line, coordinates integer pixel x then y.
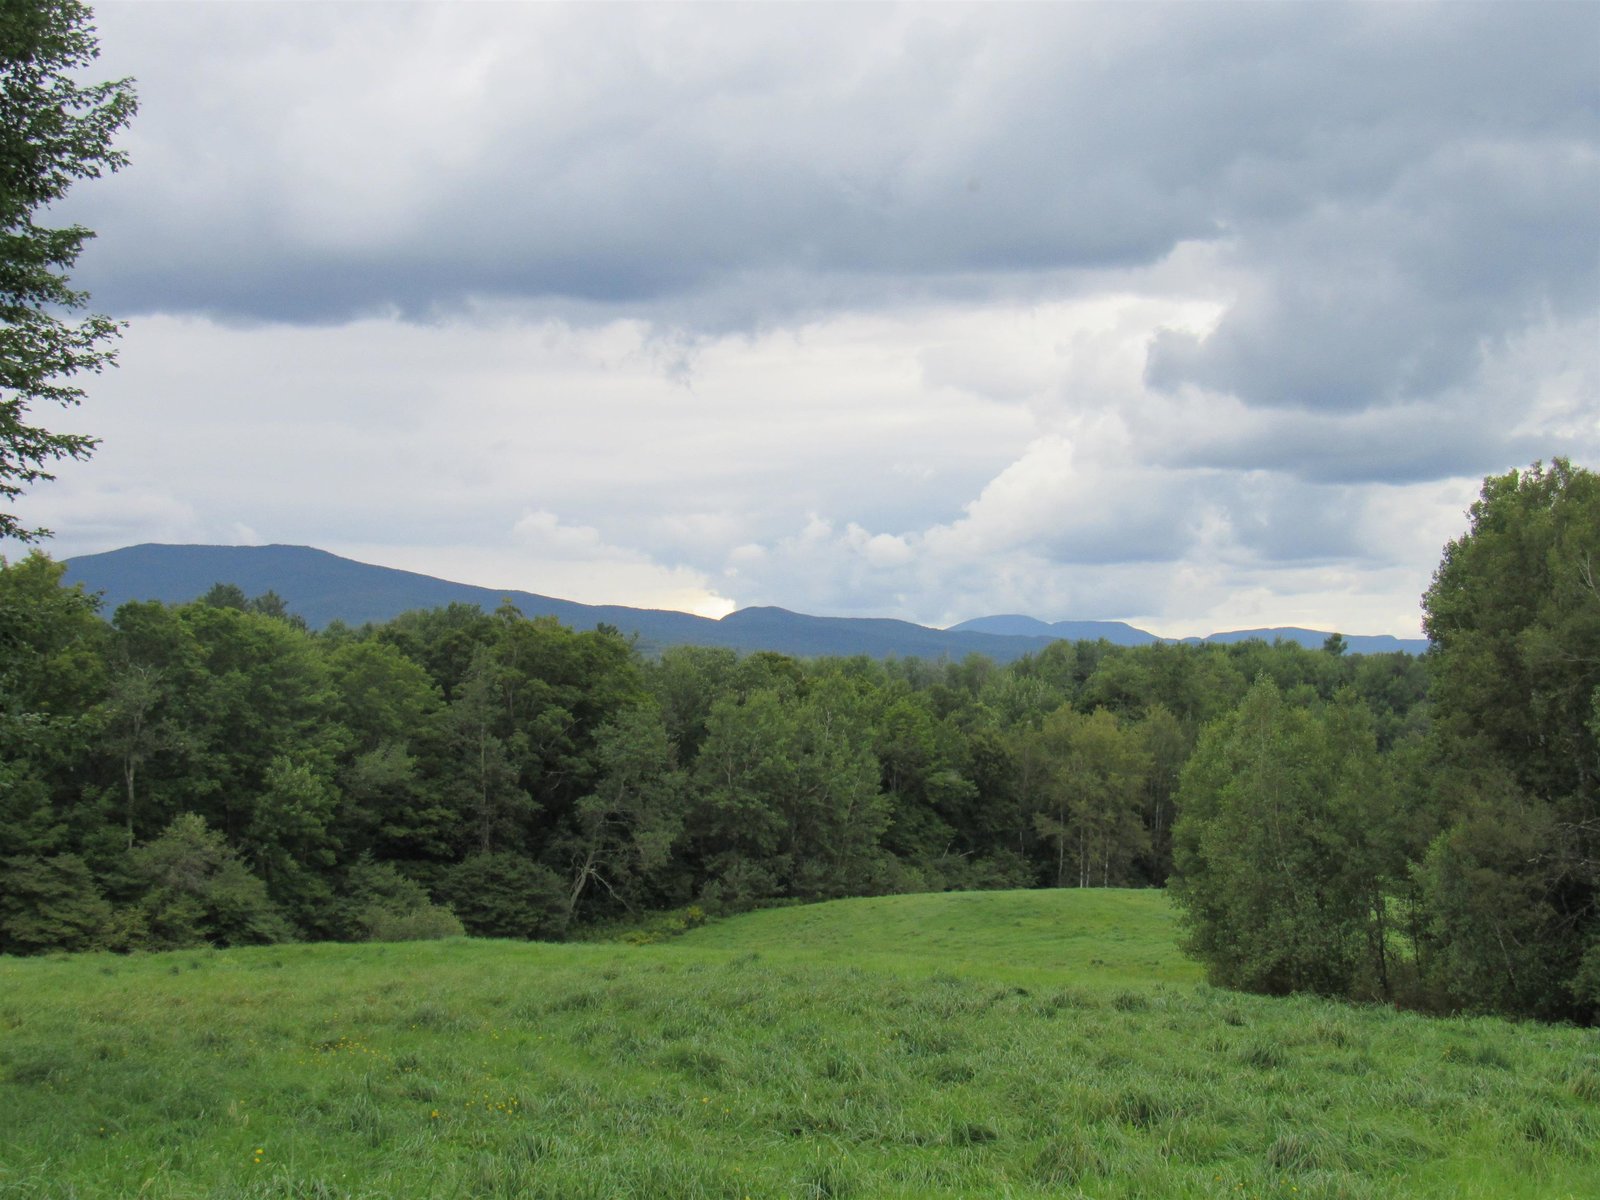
{"type": "Point", "coordinates": [1123, 634]}
{"type": "Point", "coordinates": [1118, 632]}
{"type": "Point", "coordinates": [323, 588]}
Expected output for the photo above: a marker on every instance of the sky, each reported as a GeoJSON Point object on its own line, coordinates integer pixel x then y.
{"type": "Point", "coordinates": [1201, 316]}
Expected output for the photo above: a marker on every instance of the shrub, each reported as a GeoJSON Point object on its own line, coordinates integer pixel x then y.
{"type": "Point", "coordinates": [199, 891]}
{"type": "Point", "coordinates": [505, 895]}
{"type": "Point", "coordinates": [49, 904]}
{"type": "Point", "coordinates": [430, 922]}
{"type": "Point", "coordinates": [666, 926]}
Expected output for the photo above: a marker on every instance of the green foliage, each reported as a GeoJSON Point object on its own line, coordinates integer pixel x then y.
{"type": "Point", "coordinates": [379, 695]}
{"type": "Point", "coordinates": [1513, 885]}
{"type": "Point", "coordinates": [486, 788]}
{"type": "Point", "coordinates": [1265, 849]}
{"type": "Point", "coordinates": [226, 595]}
{"type": "Point", "coordinates": [1092, 776]}
{"type": "Point", "coordinates": [1496, 939]}
{"type": "Point", "coordinates": [1514, 611]}
{"type": "Point", "coordinates": [289, 842]}
{"type": "Point", "coordinates": [534, 776]}
{"type": "Point", "coordinates": [427, 923]}
{"type": "Point", "coordinates": [56, 129]}
{"type": "Point", "coordinates": [198, 891]}
{"type": "Point", "coordinates": [260, 693]}
{"type": "Point", "coordinates": [665, 926]}
{"type": "Point", "coordinates": [50, 904]}
{"type": "Point", "coordinates": [51, 660]}
{"type": "Point", "coordinates": [686, 681]}
{"type": "Point", "coordinates": [624, 832]}
{"type": "Point", "coordinates": [52, 676]}
{"type": "Point", "coordinates": [505, 895]}
{"type": "Point", "coordinates": [380, 904]}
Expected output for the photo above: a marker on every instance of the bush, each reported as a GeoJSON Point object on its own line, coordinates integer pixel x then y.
{"type": "Point", "coordinates": [50, 904]}
{"type": "Point", "coordinates": [666, 926]}
{"type": "Point", "coordinates": [505, 895]}
{"type": "Point", "coordinates": [427, 923]}
{"type": "Point", "coordinates": [380, 904]}
{"type": "Point", "coordinates": [199, 892]}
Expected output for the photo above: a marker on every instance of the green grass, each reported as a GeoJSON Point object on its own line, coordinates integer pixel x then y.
{"type": "Point", "coordinates": [985, 1045]}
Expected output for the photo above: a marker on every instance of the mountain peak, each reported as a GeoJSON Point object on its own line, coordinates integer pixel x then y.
{"type": "Point", "coordinates": [322, 587]}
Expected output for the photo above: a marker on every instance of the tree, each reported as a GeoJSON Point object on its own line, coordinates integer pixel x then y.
{"type": "Point", "coordinates": [1089, 803]}
{"type": "Point", "coordinates": [49, 904]}
{"type": "Point", "coordinates": [53, 132]}
{"type": "Point", "coordinates": [1495, 936]}
{"type": "Point", "coordinates": [197, 890]}
{"type": "Point", "coordinates": [835, 814]}
{"type": "Point", "coordinates": [383, 905]}
{"type": "Point", "coordinates": [288, 840]}
{"type": "Point", "coordinates": [1267, 867]}
{"type": "Point", "coordinates": [51, 674]}
{"type": "Point", "coordinates": [491, 803]}
{"type": "Point", "coordinates": [264, 692]}
{"type": "Point", "coordinates": [623, 832]}
{"type": "Point", "coordinates": [1167, 749]}
{"type": "Point", "coordinates": [391, 708]}
{"type": "Point", "coordinates": [133, 731]}
{"type": "Point", "coordinates": [505, 895]}
{"type": "Point", "coordinates": [686, 681]}
{"type": "Point", "coordinates": [1514, 615]}
{"type": "Point", "coordinates": [736, 827]}
{"type": "Point", "coordinates": [226, 595]}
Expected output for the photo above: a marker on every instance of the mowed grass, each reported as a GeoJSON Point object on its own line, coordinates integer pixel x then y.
{"type": "Point", "coordinates": [1022, 1044]}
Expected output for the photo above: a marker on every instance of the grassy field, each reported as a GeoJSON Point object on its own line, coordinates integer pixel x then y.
{"type": "Point", "coordinates": [1021, 1044]}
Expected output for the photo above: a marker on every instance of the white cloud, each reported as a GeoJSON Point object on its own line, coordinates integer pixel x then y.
{"type": "Point", "coordinates": [1198, 315]}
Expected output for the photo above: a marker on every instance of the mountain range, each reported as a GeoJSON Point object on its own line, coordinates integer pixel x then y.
{"type": "Point", "coordinates": [323, 588]}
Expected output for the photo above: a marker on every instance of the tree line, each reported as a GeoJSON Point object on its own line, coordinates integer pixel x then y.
{"type": "Point", "coordinates": [215, 771]}
{"type": "Point", "coordinates": [1426, 831]}
{"type": "Point", "coordinates": [1384, 826]}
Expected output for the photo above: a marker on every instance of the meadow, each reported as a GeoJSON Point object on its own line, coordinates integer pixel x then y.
{"type": "Point", "coordinates": [1009, 1044]}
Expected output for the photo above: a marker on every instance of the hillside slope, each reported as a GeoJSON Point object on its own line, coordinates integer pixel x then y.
{"type": "Point", "coordinates": [1095, 936]}
{"type": "Point", "coordinates": [915, 1047]}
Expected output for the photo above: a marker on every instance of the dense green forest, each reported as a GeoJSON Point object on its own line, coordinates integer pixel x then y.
{"type": "Point", "coordinates": [1379, 826]}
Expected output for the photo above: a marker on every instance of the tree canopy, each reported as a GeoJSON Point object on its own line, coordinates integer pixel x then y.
{"type": "Point", "coordinates": [1303, 861]}
{"type": "Point", "coordinates": [1514, 611]}
{"type": "Point", "coordinates": [1377, 826]}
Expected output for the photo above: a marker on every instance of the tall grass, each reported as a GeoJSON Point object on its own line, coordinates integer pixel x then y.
{"type": "Point", "coordinates": [1008, 1045]}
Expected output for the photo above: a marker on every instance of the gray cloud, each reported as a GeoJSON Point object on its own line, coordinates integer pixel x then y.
{"type": "Point", "coordinates": [1402, 445]}
{"type": "Point", "coordinates": [342, 161]}
{"type": "Point", "coordinates": [1091, 310]}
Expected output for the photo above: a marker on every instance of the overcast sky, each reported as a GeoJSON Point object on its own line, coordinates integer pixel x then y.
{"type": "Point", "coordinates": [1201, 316]}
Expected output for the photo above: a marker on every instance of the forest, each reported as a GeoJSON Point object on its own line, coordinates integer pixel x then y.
{"type": "Point", "coordinates": [1419, 830]}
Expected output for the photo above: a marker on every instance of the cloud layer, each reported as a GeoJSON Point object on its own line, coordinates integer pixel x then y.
{"type": "Point", "coordinates": [1193, 314]}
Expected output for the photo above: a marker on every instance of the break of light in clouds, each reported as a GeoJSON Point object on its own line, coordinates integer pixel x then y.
{"type": "Point", "coordinates": [1198, 316]}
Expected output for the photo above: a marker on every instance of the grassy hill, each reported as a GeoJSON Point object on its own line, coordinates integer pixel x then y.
{"type": "Point", "coordinates": [977, 1045]}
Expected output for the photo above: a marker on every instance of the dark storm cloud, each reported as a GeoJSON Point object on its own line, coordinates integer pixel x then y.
{"type": "Point", "coordinates": [1398, 183]}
